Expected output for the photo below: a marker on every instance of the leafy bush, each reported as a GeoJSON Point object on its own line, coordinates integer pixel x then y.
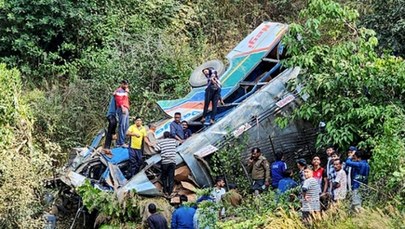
{"type": "Point", "coordinates": [228, 162]}
{"type": "Point", "coordinates": [107, 204]}
{"type": "Point", "coordinates": [386, 18]}
{"type": "Point", "coordinates": [23, 165]}
{"type": "Point", "coordinates": [359, 94]}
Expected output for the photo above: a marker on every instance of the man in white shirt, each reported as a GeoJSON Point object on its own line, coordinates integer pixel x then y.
{"type": "Point", "coordinates": [219, 190]}
{"type": "Point", "coordinates": [339, 184]}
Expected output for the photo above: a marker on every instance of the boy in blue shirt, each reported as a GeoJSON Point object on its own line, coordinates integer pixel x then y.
{"type": "Point", "coordinates": [287, 182]}
{"type": "Point", "coordinates": [182, 217]}
{"type": "Point", "coordinates": [277, 169]}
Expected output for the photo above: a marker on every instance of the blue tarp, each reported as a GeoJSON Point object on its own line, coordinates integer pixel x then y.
{"type": "Point", "coordinates": [119, 155]}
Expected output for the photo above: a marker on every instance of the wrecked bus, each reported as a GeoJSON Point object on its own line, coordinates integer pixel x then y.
{"type": "Point", "coordinates": [255, 92]}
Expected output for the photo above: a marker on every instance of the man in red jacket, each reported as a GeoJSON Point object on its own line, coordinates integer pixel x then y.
{"type": "Point", "coordinates": [122, 104]}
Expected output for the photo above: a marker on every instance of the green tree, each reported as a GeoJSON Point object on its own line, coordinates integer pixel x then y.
{"type": "Point", "coordinates": [23, 164]}
{"type": "Point", "coordinates": [387, 19]}
{"type": "Point", "coordinates": [359, 94]}
{"type": "Point", "coordinates": [40, 37]}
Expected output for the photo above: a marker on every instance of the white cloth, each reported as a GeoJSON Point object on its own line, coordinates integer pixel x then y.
{"type": "Point", "coordinates": [340, 192]}
{"type": "Point", "coordinates": [217, 194]}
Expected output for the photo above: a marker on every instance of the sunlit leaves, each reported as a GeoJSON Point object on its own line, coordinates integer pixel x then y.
{"type": "Point", "coordinates": [24, 165]}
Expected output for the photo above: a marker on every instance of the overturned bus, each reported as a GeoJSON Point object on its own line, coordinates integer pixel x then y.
{"type": "Point", "coordinates": [256, 90]}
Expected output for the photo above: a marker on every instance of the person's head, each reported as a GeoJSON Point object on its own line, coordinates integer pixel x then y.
{"type": "Point", "coordinates": [256, 153]}
{"type": "Point", "coordinates": [288, 173]}
{"type": "Point", "coordinates": [166, 134]}
{"type": "Point", "coordinates": [124, 84]}
{"type": "Point", "coordinates": [184, 124]}
{"type": "Point", "coordinates": [220, 182]}
{"type": "Point", "coordinates": [152, 127]}
{"type": "Point", "coordinates": [330, 150]}
{"type": "Point", "coordinates": [337, 164]}
{"type": "Point", "coordinates": [352, 149]}
{"type": "Point", "coordinates": [279, 156]}
{"type": "Point", "coordinates": [183, 198]}
{"type": "Point", "coordinates": [358, 155]}
{"type": "Point", "coordinates": [152, 208]}
{"type": "Point", "coordinates": [138, 121]}
{"type": "Point", "coordinates": [301, 164]}
{"type": "Point", "coordinates": [316, 161]}
{"type": "Point", "coordinates": [335, 156]}
{"type": "Point", "coordinates": [177, 117]}
{"type": "Point", "coordinates": [308, 172]}
{"type": "Point", "coordinates": [206, 71]}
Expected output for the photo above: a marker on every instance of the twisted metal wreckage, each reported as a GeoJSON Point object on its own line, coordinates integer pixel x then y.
{"type": "Point", "coordinates": [255, 90]}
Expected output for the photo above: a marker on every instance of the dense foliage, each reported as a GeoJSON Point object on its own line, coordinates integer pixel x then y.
{"type": "Point", "coordinates": [23, 164]}
{"type": "Point", "coordinates": [72, 54]}
{"type": "Point", "coordinates": [359, 94]}
{"type": "Point", "coordinates": [387, 19]}
{"type": "Point", "coordinates": [229, 163]}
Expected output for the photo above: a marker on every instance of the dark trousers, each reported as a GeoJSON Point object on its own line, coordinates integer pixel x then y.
{"type": "Point", "coordinates": [211, 95]}
{"type": "Point", "coordinates": [135, 160]}
{"type": "Point", "coordinates": [257, 185]}
{"type": "Point", "coordinates": [112, 125]}
{"type": "Point", "coordinates": [167, 177]}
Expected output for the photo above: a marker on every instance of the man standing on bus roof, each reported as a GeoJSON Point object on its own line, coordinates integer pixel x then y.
{"type": "Point", "coordinates": [122, 105]}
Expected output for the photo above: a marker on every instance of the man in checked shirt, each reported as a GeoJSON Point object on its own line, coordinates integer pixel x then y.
{"type": "Point", "coordinates": [330, 173]}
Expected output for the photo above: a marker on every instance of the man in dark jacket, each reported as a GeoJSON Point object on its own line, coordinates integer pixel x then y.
{"type": "Point", "coordinates": [156, 220]}
{"type": "Point", "coordinates": [112, 123]}
{"type": "Point", "coordinates": [260, 170]}
{"type": "Point", "coordinates": [212, 93]}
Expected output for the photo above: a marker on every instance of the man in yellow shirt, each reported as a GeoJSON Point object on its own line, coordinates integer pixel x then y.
{"type": "Point", "coordinates": [138, 134]}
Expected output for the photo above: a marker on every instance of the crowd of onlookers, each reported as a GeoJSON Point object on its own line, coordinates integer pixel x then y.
{"type": "Point", "coordinates": [319, 186]}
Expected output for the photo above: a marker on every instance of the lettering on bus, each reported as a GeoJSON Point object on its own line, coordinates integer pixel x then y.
{"type": "Point", "coordinates": [285, 101]}
{"type": "Point", "coordinates": [253, 40]}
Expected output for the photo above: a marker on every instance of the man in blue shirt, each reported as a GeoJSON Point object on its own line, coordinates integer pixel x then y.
{"type": "Point", "coordinates": [182, 217]}
{"type": "Point", "coordinates": [277, 169]}
{"type": "Point", "coordinates": [187, 132]}
{"type": "Point", "coordinates": [176, 129]}
{"type": "Point", "coordinates": [360, 172]}
{"type": "Point", "coordinates": [287, 182]}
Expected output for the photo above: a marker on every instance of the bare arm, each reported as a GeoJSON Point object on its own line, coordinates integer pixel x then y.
{"type": "Point", "coordinates": [146, 140]}
{"type": "Point", "coordinates": [178, 138]}
{"type": "Point", "coordinates": [325, 185]}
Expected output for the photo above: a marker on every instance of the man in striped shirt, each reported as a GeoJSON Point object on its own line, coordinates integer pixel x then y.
{"type": "Point", "coordinates": [167, 147]}
{"type": "Point", "coordinates": [310, 196]}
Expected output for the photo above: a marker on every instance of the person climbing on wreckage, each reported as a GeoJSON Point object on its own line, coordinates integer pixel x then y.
{"type": "Point", "coordinates": [112, 126]}
{"type": "Point", "coordinates": [212, 93]}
